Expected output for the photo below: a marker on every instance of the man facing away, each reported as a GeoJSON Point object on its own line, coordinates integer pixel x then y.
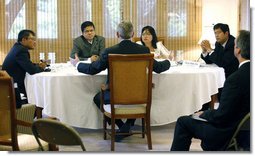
{"type": "Point", "coordinates": [125, 32]}
{"type": "Point", "coordinates": [18, 62]}
{"type": "Point", "coordinates": [220, 124]}
{"type": "Point", "coordinates": [223, 54]}
{"type": "Point", "coordinates": [88, 45]}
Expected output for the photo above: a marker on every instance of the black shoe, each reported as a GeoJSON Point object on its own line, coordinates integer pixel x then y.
{"type": "Point", "coordinates": [119, 138]}
{"type": "Point", "coordinates": [124, 129]}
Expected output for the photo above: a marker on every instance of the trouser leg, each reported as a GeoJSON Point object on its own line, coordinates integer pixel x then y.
{"type": "Point", "coordinates": [97, 100]}
{"type": "Point", "coordinates": [182, 135]}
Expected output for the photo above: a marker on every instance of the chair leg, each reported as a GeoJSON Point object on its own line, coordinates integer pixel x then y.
{"type": "Point", "coordinates": [104, 126]}
{"type": "Point", "coordinates": [143, 126]}
{"type": "Point", "coordinates": [112, 135]}
{"type": "Point", "coordinates": [148, 133]}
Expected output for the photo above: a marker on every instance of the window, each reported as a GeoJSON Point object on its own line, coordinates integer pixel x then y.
{"type": "Point", "coordinates": [146, 14]}
{"type": "Point", "coordinates": [47, 19]}
{"type": "Point", "coordinates": [15, 18]}
{"type": "Point", "coordinates": [57, 22]}
{"type": "Point", "coordinates": [81, 12]}
{"type": "Point", "coordinates": [177, 18]}
{"type": "Point", "coordinates": [112, 17]}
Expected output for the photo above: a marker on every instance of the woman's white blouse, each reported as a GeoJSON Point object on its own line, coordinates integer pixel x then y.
{"type": "Point", "coordinates": [161, 50]}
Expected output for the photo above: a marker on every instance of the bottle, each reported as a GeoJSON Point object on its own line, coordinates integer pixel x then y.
{"type": "Point", "coordinates": [52, 57]}
{"type": "Point", "coordinates": [41, 56]}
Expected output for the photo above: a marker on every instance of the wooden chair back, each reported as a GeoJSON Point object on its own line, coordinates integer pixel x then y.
{"type": "Point", "coordinates": [10, 139]}
{"type": "Point", "coordinates": [130, 83]}
{"type": "Point", "coordinates": [130, 78]}
{"type": "Point", "coordinates": [8, 126]}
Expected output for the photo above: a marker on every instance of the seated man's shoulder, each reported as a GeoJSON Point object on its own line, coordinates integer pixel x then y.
{"type": "Point", "coordinates": [78, 39]}
{"type": "Point", "coordinates": [99, 37]}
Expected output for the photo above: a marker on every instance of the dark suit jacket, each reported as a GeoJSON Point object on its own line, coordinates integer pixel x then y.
{"type": "Point", "coordinates": [16, 64]}
{"type": "Point", "coordinates": [124, 47]}
{"type": "Point", "coordinates": [85, 50]}
{"type": "Point", "coordinates": [224, 57]}
{"type": "Point", "coordinates": [234, 105]}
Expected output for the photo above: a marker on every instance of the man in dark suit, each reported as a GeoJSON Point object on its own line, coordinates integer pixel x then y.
{"type": "Point", "coordinates": [223, 54]}
{"type": "Point", "coordinates": [124, 32]}
{"type": "Point", "coordinates": [88, 45]}
{"type": "Point", "coordinates": [220, 124]}
{"type": "Point", "coordinates": [18, 62]}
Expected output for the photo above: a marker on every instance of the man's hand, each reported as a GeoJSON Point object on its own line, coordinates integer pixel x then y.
{"type": "Point", "coordinates": [206, 46]}
{"type": "Point", "coordinates": [74, 61]}
{"type": "Point", "coordinates": [171, 56]}
{"type": "Point", "coordinates": [42, 64]}
{"type": "Point", "coordinates": [94, 58]}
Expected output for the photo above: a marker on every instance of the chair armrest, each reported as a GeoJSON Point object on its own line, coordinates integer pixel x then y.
{"type": "Point", "coordinates": [24, 123]}
{"type": "Point", "coordinates": [25, 117]}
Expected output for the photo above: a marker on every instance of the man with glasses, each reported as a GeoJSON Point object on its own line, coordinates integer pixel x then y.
{"type": "Point", "coordinates": [18, 62]}
{"type": "Point", "coordinates": [88, 45]}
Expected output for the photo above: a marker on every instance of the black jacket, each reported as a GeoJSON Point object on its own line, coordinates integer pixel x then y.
{"type": "Point", "coordinates": [224, 57]}
{"type": "Point", "coordinates": [16, 64]}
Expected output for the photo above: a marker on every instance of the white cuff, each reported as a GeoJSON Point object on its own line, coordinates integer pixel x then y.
{"type": "Point", "coordinates": [210, 53]}
{"type": "Point", "coordinates": [77, 64]}
{"type": "Point", "coordinates": [204, 54]}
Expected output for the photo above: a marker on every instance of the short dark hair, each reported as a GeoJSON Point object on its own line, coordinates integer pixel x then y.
{"type": "Point", "coordinates": [153, 33]}
{"type": "Point", "coordinates": [86, 24]}
{"type": "Point", "coordinates": [24, 34]}
{"type": "Point", "coordinates": [223, 27]}
{"type": "Point", "coordinates": [125, 29]}
{"type": "Point", "coordinates": [243, 42]}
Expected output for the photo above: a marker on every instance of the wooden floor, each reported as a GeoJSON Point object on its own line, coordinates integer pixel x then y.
{"type": "Point", "coordinates": [162, 137]}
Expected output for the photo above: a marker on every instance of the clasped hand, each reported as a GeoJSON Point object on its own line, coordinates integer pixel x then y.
{"type": "Point", "coordinates": [42, 64]}
{"type": "Point", "coordinates": [206, 46]}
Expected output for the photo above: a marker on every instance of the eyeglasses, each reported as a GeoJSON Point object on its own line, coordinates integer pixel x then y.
{"type": "Point", "coordinates": [146, 33]}
{"type": "Point", "coordinates": [32, 38]}
{"type": "Point", "coordinates": [87, 31]}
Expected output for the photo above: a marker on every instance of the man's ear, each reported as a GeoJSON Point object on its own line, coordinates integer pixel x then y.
{"type": "Point", "coordinates": [227, 33]}
{"type": "Point", "coordinates": [23, 39]}
{"type": "Point", "coordinates": [118, 35]}
{"type": "Point", "coordinates": [132, 34]}
{"type": "Point", "coordinates": [238, 51]}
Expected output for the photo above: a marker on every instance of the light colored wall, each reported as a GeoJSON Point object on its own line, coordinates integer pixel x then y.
{"type": "Point", "coordinates": [221, 11]}
{"type": "Point", "coordinates": [245, 15]}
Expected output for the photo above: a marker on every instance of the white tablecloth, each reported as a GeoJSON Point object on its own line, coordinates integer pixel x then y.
{"type": "Point", "coordinates": [68, 95]}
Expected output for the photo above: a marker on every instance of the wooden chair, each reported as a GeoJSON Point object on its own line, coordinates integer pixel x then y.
{"type": "Point", "coordinates": [130, 80]}
{"type": "Point", "coordinates": [243, 125]}
{"type": "Point", "coordinates": [55, 132]}
{"type": "Point", "coordinates": [10, 139]}
{"type": "Point", "coordinates": [160, 39]}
